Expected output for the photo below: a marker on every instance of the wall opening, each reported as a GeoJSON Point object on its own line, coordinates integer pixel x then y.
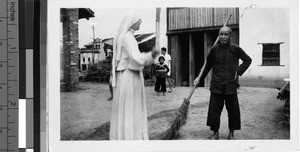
{"type": "Point", "coordinates": [198, 42]}
{"type": "Point", "coordinates": [184, 57]}
{"type": "Point", "coordinates": [271, 54]}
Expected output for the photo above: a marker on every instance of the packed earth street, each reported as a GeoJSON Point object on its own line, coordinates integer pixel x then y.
{"type": "Point", "coordinates": [84, 111]}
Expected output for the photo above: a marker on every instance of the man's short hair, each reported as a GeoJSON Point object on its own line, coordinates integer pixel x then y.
{"type": "Point", "coordinates": [226, 28]}
{"type": "Point", "coordinates": [164, 49]}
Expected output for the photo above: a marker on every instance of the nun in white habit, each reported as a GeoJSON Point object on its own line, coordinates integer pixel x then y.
{"type": "Point", "coordinates": [129, 107]}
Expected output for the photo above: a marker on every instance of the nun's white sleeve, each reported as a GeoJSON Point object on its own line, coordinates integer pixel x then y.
{"type": "Point", "coordinates": [138, 58]}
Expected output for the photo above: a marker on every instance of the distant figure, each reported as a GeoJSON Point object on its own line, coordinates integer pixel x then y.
{"type": "Point", "coordinates": [105, 50]}
{"type": "Point", "coordinates": [129, 107]}
{"type": "Point", "coordinates": [223, 58]}
{"type": "Point", "coordinates": [161, 71]}
{"type": "Point", "coordinates": [110, 55]}
{"type": "Point", "coordinates": [168, 63]}
{"type": "Point", "coordinates": [110, 88]}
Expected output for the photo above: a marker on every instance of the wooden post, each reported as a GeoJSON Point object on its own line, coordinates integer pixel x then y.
{"type": "Point", "coordinates": [176, 64]}
{"type": "Point", "coordinates": [191, 61]}
{"type": "Point", "coordinates": [173, 51]}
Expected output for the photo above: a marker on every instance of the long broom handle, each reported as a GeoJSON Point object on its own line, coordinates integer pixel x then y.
{"type": "Point", "coordinates": [202, 69]}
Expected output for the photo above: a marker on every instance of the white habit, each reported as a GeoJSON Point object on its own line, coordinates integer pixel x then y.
{"type": "Point", "coordinates": [129, 107]}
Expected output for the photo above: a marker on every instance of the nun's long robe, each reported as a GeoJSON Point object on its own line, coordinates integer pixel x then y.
{"type": "Point", "coordinates": [129, 108]}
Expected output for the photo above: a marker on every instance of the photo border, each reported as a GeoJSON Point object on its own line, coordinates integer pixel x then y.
{"type": "Point", "coordinates": [53, 83]}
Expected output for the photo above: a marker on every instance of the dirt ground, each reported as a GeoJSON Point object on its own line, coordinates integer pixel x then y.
{"type": "Point", "coordinates": [83, 112]}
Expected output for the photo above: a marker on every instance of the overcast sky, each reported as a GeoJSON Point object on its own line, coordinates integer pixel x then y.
{"type": "Point", "coordinates": [107, 22]}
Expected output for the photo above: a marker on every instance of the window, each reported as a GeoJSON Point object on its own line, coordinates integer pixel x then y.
{"type": "Point", "coordinates": [83, 67]}
{"type": "Point", "coordinates": [83, 59]}
{"type": "Point", "coordinates": [89, 59]}
{"type": "Point", "coordinates": [271, 54]}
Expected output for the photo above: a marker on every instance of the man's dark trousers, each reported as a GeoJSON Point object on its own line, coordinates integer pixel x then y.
{"type": "Point", "coordinates": [216, 104]}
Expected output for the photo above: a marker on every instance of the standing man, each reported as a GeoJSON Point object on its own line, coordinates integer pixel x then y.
{"type": "Point", "coordinates": [168, 63]}
{"type": "Point", "coordinates": [223, 58]}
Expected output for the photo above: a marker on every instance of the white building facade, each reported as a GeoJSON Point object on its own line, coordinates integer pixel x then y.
{"type": "Point", "coordinates": [91, 56]}
{"type": "Point", "coordinates": [263, 33]}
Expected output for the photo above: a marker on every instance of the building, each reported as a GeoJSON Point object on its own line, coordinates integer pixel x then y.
{"type": "Point", "coordinates": [262, 32]}
{"type": "Point", "coordinates": [265, 35]}
{"type": "Point", "coordinates": [98, 50]}
{"type": "Point", "coordinates": [91, 54]}
{"type": "Point", "coordinates": [69, 67]}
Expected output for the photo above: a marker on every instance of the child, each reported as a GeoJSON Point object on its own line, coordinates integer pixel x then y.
{"type": "Point", "coordinates": [161, 71]}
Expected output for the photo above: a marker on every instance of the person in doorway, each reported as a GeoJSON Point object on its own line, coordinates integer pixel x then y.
{"type": "Point", "coordinates": [168, 63]}
{"type": "Point", "coordinates": [161, 71]}
{"type": "Point", "coordinates": [109, 57]}
{"type": "Point", "coordinates": [223, 58]}
{"type": "Point", "coordinates": [110, 88]}
{"type": "Point", "coordinates": [129, 107]}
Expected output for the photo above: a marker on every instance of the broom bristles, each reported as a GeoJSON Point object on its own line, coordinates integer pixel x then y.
{"type": "Point", "coordinates": [177, 123]}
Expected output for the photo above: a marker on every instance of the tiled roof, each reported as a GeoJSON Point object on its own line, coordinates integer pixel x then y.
{"type": "Point", "coordinates": [86, 13]}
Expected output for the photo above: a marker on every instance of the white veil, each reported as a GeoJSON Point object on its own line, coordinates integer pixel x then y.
{"type": "Point", "coordinates": [129, 19]}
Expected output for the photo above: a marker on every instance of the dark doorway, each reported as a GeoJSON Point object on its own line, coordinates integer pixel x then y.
{"type": "Point", "coordinates": [210, 36]}
{"type": "Point", "coordinates": [189, 51]}
{"type": "Point", "coordinates": [198, 41]}
{"type": "Point", "coordinates": [184, 57]}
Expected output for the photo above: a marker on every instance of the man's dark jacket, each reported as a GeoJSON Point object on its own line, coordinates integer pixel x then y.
{"type": "Point", "coordinates": [224, 60]}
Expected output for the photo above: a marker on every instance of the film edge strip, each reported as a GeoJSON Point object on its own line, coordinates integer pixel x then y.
{"type": "Point", "coordinates": [20, 46]}
{"type": "Point", "coordinates": [16, 125]}
{"type": "Point", "coordinates": [9, 133]}
{"type": "Point", "coordinates": [26, 28]}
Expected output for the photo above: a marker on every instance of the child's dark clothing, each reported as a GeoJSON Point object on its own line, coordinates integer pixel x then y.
{"type": "Point", "coordinates": [160, 84]}
{"type": "Point", "coordinates": [161, 71]}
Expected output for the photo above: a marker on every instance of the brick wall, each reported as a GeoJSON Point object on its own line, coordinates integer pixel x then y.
{"type": "Point", "coordinates": [70, 54]}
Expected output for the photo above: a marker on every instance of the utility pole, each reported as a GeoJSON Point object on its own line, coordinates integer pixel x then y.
{"type": "Point", "coordinates": [93, 27]}
{"type": "Point", "coordinates": [94, 43]}
{"type": "Point", "coordinates": [157, 25]}
{"type": "Point", "coordinates": [157, 34]}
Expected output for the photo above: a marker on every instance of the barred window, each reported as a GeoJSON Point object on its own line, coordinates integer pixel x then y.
{"type": "Point", "coordinates": [271, 54]}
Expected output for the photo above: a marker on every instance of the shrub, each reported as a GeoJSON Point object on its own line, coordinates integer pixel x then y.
{"type": "Point", "coordinates": [99, 72]}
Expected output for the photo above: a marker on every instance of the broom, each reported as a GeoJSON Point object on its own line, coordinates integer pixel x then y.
{"type": "Point", "coordinates": [181, 115]}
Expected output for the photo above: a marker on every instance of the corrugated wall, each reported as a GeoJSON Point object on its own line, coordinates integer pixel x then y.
{"type": "Point", "coordinates": [188, 18]}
